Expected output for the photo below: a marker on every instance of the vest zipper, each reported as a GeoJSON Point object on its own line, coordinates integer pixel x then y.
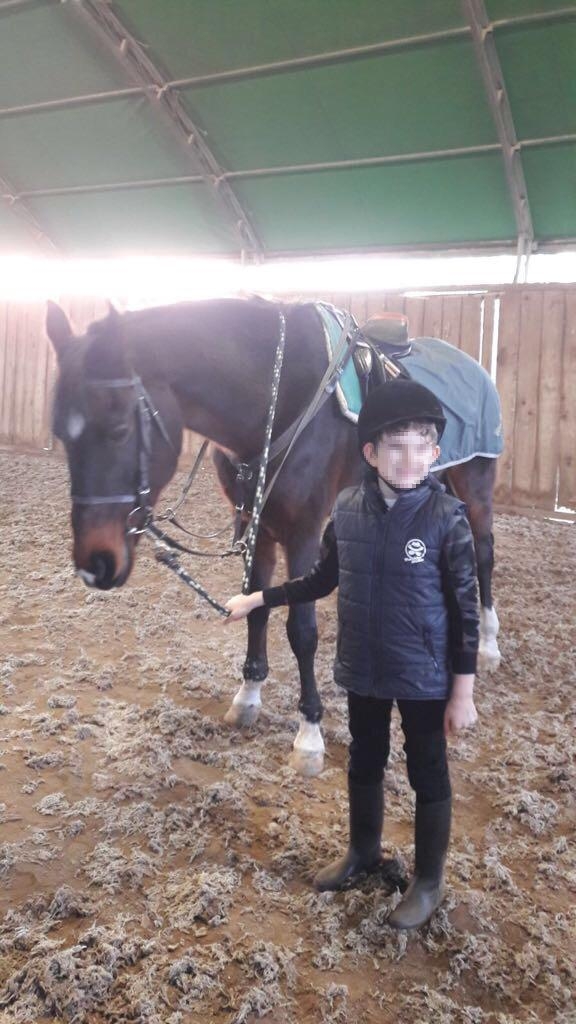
{"type": "Point", "coordinates": [376, 592]}
{"type": "Point", "coordinates": [430, 648]}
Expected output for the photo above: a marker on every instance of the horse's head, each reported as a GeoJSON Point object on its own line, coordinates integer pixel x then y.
{"type": "Point", "coordinates": [122, 437]}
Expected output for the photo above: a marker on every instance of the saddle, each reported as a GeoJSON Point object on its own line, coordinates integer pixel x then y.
{"type": "Point", "coordinates": [380, 344]}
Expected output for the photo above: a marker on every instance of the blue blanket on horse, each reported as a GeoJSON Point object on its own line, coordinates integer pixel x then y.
{"type": "Point", "coordinates": [469, 398]}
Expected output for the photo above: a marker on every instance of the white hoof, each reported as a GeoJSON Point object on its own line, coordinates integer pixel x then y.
{"type": "Point", "coordinates": [245, 707]}
{"type": "Point", "coordinates": [307, 757]}
{"type": "Point", "coordinates": [488, 652]}
{"type": "Point", "coordinates": [489, 656]}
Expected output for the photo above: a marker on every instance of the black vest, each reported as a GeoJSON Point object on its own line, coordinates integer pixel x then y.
{"type": "Point", "coordinates": [392, 616]}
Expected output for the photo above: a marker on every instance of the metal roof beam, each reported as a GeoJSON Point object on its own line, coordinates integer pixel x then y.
{"type": "Point", "coordinates": [260, 172]}
{"type": "Point", "coordinates": [136, 62]}
{"type": "Point", "coordinates": [276, 67]}
{"type": "Point", "coordinates": [369, 50]}
{"type": "Point", "coordinates": [17, 205]}
{"type": "Point", "coordinates": [329, 57]}
{"type": "Point", "coordinates": [69, 102]}
{"type": "Point", "coordinates": [266, 172]}
{"type": "Point", "coordinates": [315, 60]}
{"type": "Point", "coordinates": [539, 18]}
{"type": "Point", "coordinates": [12, 5]}
{"type": "Point", "coordinates": [489, 64]}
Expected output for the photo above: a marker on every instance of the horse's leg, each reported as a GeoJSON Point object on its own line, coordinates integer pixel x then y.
{"type": "Point", "coordinates": [308, 748]}
{"type": "Point", "coordinates": [473, 482]}
{"type": "Point", "coordinates": [247, 703]}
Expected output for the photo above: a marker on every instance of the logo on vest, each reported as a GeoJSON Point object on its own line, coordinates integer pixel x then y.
{"type": "Point", "coordinates": [415, 550]}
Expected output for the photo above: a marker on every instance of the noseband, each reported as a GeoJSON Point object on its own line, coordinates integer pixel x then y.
{"type": "Point", "coordinates": [146, 415]}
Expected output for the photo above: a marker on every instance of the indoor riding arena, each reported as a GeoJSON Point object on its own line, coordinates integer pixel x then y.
{"type": "Point", "coordinates": [156, 859]}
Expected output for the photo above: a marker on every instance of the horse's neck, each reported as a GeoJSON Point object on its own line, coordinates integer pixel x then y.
{"type": "Point", "coordinates": [220, 376]}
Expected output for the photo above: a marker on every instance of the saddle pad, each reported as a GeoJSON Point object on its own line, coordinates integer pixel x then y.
{"type": "Point", "coordinates": [469, 398]}
{"type": "Point", "coordinates": [348, 390]}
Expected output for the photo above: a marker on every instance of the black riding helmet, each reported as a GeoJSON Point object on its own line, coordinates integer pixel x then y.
{"type": "Point", "coordinates": [398, 401]}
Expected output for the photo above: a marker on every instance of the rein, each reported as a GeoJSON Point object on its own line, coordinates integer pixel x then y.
{"type": "Point", "coordinates": [166, 546]}
{"type": "Point", "coordinates": [285, 442]}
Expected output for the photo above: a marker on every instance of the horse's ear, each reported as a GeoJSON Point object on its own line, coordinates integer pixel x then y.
{"type": "Point", "coordinates": [58, 328]}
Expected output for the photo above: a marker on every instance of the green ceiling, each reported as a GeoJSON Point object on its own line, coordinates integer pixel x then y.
{"type": "Point", "coordinates": [331, 152]}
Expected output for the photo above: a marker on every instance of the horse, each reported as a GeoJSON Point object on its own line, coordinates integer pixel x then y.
{"type": "Point", "coordinates": [207, 366]}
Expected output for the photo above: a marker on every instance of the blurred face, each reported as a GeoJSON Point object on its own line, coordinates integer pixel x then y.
{"type": "Point", "coordinates": [402, 459]}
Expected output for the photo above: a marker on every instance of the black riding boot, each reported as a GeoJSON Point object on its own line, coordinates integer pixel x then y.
{"type": "Point", "coordinates": [366, 805]}
{"type": "Point", "coordinates": [424, 894]}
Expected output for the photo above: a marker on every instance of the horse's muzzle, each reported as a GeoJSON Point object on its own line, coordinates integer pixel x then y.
{"type": "Point", "coordinates": [102, 561]}
{"type": "Point", "coordinates": [103, 570]}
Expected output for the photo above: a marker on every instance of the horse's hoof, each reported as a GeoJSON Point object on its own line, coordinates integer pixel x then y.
{"type": "Point", "coordinates": [241, 715]}
{"type": "Point", "coordinates": [489, 656]}
{"type": "Point", "coordinates": [489, 659]}
{"type": "Point", "coordinates": [246, 705]}
{"type": "Point", "coordinates": [307, 762]}
{"type": "Point", "coordinates": [307, 757]}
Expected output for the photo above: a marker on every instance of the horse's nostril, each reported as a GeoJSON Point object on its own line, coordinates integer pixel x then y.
{"type": "Point", "coordinates": [103, 567]}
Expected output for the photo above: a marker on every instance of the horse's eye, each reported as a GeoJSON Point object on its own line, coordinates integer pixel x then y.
{"type": "Point", "coordinates": [119, 433]}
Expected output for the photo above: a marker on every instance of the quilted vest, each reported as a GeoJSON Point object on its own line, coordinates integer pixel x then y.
{"type": "Point", "coordinates": [392, 617]}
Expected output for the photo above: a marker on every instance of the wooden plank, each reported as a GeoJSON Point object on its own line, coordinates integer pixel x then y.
{"type": "Point", "coordinates": [549, 398]}
{"type": "Point", "coordinates": [432, 324]}
{"type": "Point", "coordinates": [32, 357]}
{"type": "Point", "coordinates": [394, 303]}
{"type": "Point", "coordinates": [489, 313]}
{"type": "Point", "coordinates": [49, 382]}
{"type": "Point", "coordinates": [451, 316]}
{"type": "Point", "coordinates": [3, 370]}
{"type": "Point", "coordinates": [354, 304]}
{"type": "Point", "coordinates": [83, 309]}
{"type": "Point", "coordinates": [527, 396]}
{"type": "Point", "coordinates": [10, 376]}
{"type": "Point", "coordinates": [414, 309]}
{"type": "Point", "coordinates": [567, 437]}
{"type": "Point", "coordinates": [22, 370]}
{"type": "Point", "coordinates": [471, 325]}
{"type": "Point", "coordinates": [42, 411]}
{"type": "Point", "coordinates": [375, 304]}
{"type": "Point", "coordinates": [506, 373]}
{"type": "Point", "coordinates": [25, 358]}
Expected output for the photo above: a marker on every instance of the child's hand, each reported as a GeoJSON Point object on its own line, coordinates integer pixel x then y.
{"type": "Point", "coordinates": [241, 605]}
{"type": "Point", "coordinates": [460, 714]}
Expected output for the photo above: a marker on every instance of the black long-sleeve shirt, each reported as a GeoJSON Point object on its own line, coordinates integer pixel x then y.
{"type": "Point", "coordinates": [461, 600]}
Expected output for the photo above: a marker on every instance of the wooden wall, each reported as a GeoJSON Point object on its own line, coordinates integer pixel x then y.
{"type": "Point", "coordinates": [525, 335]}
{"type": "Point", "coordinates": [28, 368]}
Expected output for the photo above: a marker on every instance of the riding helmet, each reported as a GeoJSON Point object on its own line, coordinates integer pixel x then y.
{"type": "Point", "coordinates": [398, 401]}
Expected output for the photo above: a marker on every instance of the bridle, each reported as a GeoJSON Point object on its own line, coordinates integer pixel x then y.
{"type": "Point", "coordinates": [147, 416]}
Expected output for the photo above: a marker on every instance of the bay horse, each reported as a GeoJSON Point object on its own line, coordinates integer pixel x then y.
{"type": "Point", "coordinates": [207, 366]}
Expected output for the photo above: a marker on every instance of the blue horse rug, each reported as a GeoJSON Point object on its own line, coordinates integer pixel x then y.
{"type": "Point", "coordinates": [468, 396]}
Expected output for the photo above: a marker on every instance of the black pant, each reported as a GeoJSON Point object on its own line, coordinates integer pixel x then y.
{"type": "Point", "coordinates": [425, 744]}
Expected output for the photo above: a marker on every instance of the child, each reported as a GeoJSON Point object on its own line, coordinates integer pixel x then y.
{"type": "Point", "coordinates": [401, 552]}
